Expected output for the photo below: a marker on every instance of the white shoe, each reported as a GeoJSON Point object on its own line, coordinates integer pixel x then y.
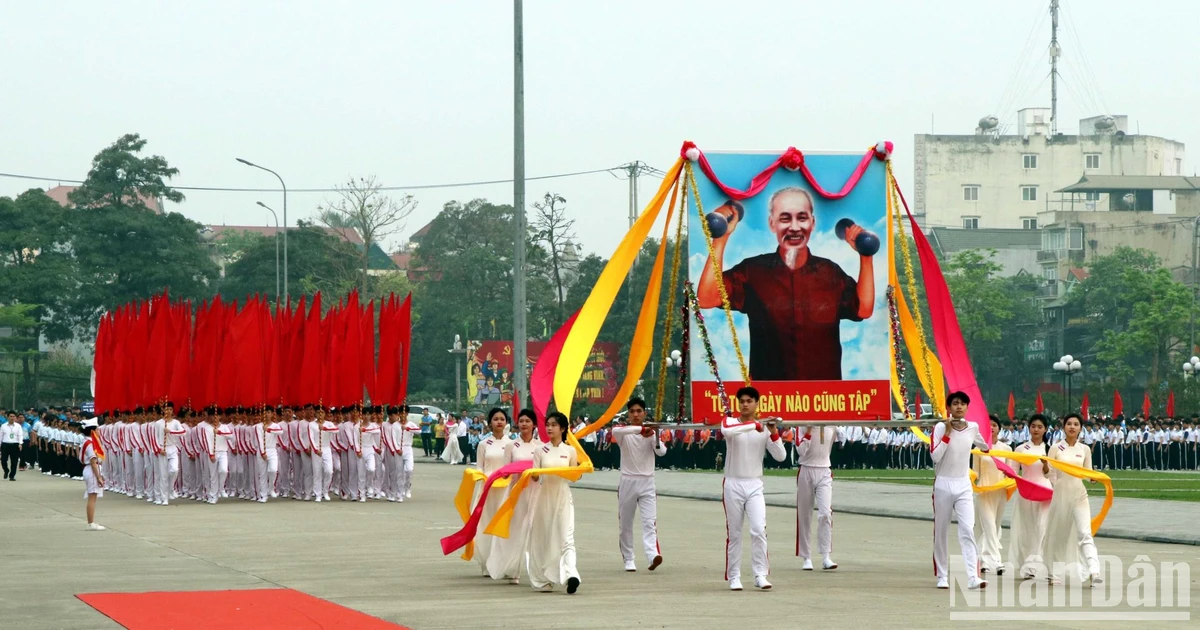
{"type": "Point", "coordinates": [400, 500]}
{"type": "Point", "coordinates": [408, 495]}
{"type": "Point", "coordinates": [735, 584]}
{"type": "Point", "coordinates": [327, 497]}
{"type": "Point", "coordinates": [362, 500]}
{"type": "Point", "coordinates": [137, 496]}
{"type": "Point", "coordinates": [212, 501]}
{"type": "Point", "coordinates": [95, 527]}
{"type": "Point", "coordinates": [976, 583]}
{"type": "Point", "coordinates": [828, 564]}
{"type": "Point", "coordinates": [262, 500]}
{"type": "Point", "coordinates": [1097, 580]}
{"type": "Point", "coordinates": [943, 583]}
{"type": "Point", "coordinates": [318, 499]}
{"type": "Point", "coordinates": [807, 565]}
{"type": "Point", "coordinates": [274, 495]}
{"type": "Point", "coordinates": [630, 566]}
{"type": "Point", "coordinates": [391, 499]}
{"type": "Point", "coordinates": [158, 503]}
{"type": "Point", "coordinates": [514, 580]}
{"type": "Point", "coordinates": [760, 581]}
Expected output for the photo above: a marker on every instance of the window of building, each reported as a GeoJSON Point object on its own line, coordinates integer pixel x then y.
{"type": "Point", "coordinates": [1091, 196]}
{"type": "Point", "coordinates": [1091, 160]}
{"type": "Point", "coordinates": [1076, 239]}
{"type": "Point", "coordinates": [1179, 166]}
{"type": "Point", "coordinates": [1029, 223]}
{"type": "Point", "coordinates": [1029, 160]}
{"type": "Point", "coordinates": [1029, 193]}
{"type": "Point", "coordinates": [1050, 272]}
{"type": "Point", "coordinates": [970, 223]}
{"type": "Point", "coordinates": [970, 193]}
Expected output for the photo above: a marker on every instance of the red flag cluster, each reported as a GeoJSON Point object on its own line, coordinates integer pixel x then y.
{"type": "Point", "coordinates": [153, 352]}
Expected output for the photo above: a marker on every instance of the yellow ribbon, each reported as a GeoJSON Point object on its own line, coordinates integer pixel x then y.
{"type": "Point", "coordinates": [643, 335]}
{"type": "Point", "coordinates": [591, 317]}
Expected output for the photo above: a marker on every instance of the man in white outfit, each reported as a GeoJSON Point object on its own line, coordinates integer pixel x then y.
{"type": "Point", "coordinates": [275, 454]}
{"type": "Point", "coordinates": [989, 507]}
{"type": "Point", "coordinates": [411, 429]}
{"type": "Point", "coordinates": [158, 455]}
{"type": "Point", "coordinates": [636, 491]}
{"type": "Point", "coordinates": [950, 450]}
{"type": "Point", "coordinates": [745, 445]}
{"type": "Point", "coordinates": [175, 433]}
{"type": "Point", "coordinates": [208, 457]}
{"type": "Point", "coordinates": [323, 434]}
{"type": "Point", "coordinates": [814, 482]}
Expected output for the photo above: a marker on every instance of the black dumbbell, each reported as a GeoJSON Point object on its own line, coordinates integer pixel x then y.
{"type": "Point", "coordinates": [866, 243]}
{"type": "Point", "coordinates": [718, 220]}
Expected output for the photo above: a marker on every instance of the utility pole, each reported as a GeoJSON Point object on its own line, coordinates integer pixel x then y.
{"type": "Point", "coordinates": [1195, 288]}
{"type": "Point", "coordinates": [519, 335]}
{"type": "Point", "coordinates": [1055, 51]}
{"type": "Point", "coordinates": [632, 170]}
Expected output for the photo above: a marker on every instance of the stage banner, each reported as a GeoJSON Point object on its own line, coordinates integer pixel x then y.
{"type": "Point", "coordinates": [806, 279]}
{"type": "Point", "coordinates": [490, 372]}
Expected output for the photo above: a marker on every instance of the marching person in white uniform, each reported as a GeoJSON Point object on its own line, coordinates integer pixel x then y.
{"type": "Point", "coordinates": [950, 450]}
{"type": "Point", "coordinates": [1029, 517]}
{"type": "Point", "coordinates": [508, 554]}
{"type": "Point", "coordinates": [639, 446]}
{"type": "Point", "coordinates": [494, 453]}
{"type": "Point", "coordinates": [745, 446]}
{"type": "Point", "coordinates": [814, 483]}
{"type": "Point", "coordinates": [1069, 543]}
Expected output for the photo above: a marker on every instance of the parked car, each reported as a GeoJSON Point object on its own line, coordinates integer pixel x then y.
{"type": "Point", "coordinates": [416, 412]}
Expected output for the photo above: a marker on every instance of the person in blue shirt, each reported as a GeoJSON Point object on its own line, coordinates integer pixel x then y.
{"type": "Point", "coordinates": [427, 433]}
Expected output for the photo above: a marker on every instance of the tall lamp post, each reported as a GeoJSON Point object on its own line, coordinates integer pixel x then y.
{"type": "Point", "coordinates": [1191, 369]}
{"type": "Point", "coordinates": [675, 363]}
{"type": "Point", "coordinates": [268, 208]}
{"type": "Point", "coordinates": [458, 351]}
{"type": "Point", "coordinates": [285, 223]}
{"type": "Point", "coordinates": [1069, 367]}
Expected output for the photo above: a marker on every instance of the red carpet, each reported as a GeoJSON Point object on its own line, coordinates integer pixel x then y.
{"type": "Point", "coordinates": [261, 609]}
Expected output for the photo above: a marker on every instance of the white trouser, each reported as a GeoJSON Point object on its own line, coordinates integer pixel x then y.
{"type": "Point", "coordinates": [743, 500]}
{"type": "Point", "coordinates": [953, 497]}
{"type": "Point", "coordinates": [213, 491]}
{"type": "Point", "coordinates": [309, 463]}
{"type": "Point", "coordinates": [272, 472]}
{"type": "Point", "coordinates": [989, 510]}
{"type": "Point", "coordinates": [388, 477]}
{"type": "Point", "coordinates": [138, 471]}
{"type": "Point", "coordinates": [636, 492]}
{"type": "Point", "coordinates": [323, 472]}
{"type": "Point", "coordinates": [814, 484]}
{"type": "Point", "coordinates": [172, 469]}
{"type": "Point", "coordinates": [162, 481]}
{"type": "Point", "coordinates": [366, 477]}
{"type": "Point", "coordinates": [406, 471]}
{"type": "Point", "coordinates": [258, 473]}
{"type": "Point", "coordinates": [222, 471]}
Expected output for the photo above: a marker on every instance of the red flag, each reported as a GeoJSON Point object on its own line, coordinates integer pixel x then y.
{"type": "Point", "coordinates": [367, 352]}
{"type": "Point", "coordinates": [917, 404]}
{"type": "Point", "coordinates": [157, 357]}
{"type": "Point", "coordinates": [310, 368]}
{"type": "Point", "coordinates": [1146, 405]}
{"type": "Point", "coordinates": [1039, 405]}
{"type": "Point", "coordinates": [273, 386]}
{"type": "Point", "coordinates": [387, 374]}
{"type": "Point", "coordinates": [1118, 404]}
{"type": "Point", "coordinates": [1171, 404]}
{"type": "Point", "coordinates": [1012, 407]}
{"type": "Point", "coordinates": [404, 326]}
{"type": "Point", "coordinates": [177, 390]}
{"type": "Point", "coordinates": [102, 366]}
{"type": "Point", "coordinates": [1083, 408]}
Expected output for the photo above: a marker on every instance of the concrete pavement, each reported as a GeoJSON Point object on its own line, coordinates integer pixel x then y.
{"type": "Point", "coordinates": [383, 559]}
{"type": "Point", "coordinates": [1147, 520]}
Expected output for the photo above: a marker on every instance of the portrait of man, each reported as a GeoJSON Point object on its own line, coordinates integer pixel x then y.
{"type": "Point", "coordinates": [794, 301]}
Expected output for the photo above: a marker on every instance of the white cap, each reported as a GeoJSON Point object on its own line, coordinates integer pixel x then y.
{"type": "Point", "coordinates": [90, 423]}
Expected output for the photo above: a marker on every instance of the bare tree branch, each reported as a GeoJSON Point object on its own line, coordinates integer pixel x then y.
{"type": "Point", "coordinates": [553, 229]}
{"type": "Point", "coordinates": [363, 207]}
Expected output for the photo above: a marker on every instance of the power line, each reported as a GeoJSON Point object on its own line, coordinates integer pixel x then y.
{"type": "Point", "coordinates": [330, 190]}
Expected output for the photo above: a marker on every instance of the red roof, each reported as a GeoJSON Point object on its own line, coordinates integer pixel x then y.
{"type": "Point", "coordinates": [1079, 274]}
{"type": "Point", "coordinates": [346, 233]}
{"type": "Point", "coordinates": [61, 194]}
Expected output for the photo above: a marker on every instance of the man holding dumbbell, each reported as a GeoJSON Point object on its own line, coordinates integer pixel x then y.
{"type": "Point", "coordinates": [794, 300]}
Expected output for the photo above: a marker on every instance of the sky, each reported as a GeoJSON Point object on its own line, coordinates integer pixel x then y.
{"type": "Point", "coordinates": [420, 93]}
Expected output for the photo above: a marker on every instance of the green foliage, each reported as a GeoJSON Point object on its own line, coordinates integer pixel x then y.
{"type": "Point", "coordinates": [317, 261]}
{"type": "Point", "coordinates": [121, 179]}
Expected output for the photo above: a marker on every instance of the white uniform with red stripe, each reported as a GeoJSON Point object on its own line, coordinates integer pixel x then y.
{"type": "Point", "coordinates": [175, 433]}
{"type": "Point", "coordinates": [158, 437]}
{"type": "Point", "coordinates": [369, 464]}
{"type": "Point", "coordinates": [814, 484]}
{"type": "Point", "coordinates": [742, 493]}
{"type": "Point", "coordinates": [411, 429]}
{"type": "Point", "coordinates": [207, 440]}
{"type": "Point", "coordinates": [271, 437]}
{"type": "Point", "coordinates": [636, 490]}
{"type": "Point", "coordinates": [953, 496]}
{"type": "Point", "coordinates": [323, 434]}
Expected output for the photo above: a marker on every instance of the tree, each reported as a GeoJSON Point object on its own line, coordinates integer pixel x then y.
{"type": "Point", "coordinates": [121, 179]}
{"type": "Point", "coordinates": [374, 215]}
{"type": "Point", "coordinates": [35, 265]}
{"type": "Point", "coordinates": [554, 231]}
{"type": "Point", "coordinates": [231, 244]}
{"type": "Point", "coordinates": [119, 250]}
{"type": "Point", "coordinates": [1152, 337]}
{"type": "Point", "coordinates": [317, 261]}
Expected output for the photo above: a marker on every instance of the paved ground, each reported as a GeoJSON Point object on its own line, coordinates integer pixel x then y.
{"type": "Point", "coordinates": [383, 559]}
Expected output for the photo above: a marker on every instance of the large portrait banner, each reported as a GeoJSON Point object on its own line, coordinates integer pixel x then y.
{"type": "Point", "coordinates": [806, 281]}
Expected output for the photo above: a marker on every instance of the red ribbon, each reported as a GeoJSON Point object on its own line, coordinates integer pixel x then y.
{"type": "Point", "coordinates": [459, 539]}
{"type": "Point", "coordinates": [791, 159]}
{"type": "Point", "coordinates": [541, 382]}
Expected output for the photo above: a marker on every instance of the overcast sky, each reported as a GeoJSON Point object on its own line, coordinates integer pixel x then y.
{"type": "Point", "coordinates": [420, 93]}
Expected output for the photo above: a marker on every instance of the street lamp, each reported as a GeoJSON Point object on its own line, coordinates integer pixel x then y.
{"type": "Point", "coordinates": [268, 208]}
{"type": "Point", "coordinates": [285, 225]}
{"type": "Point", "coordinates": [1068, 366]}
{"type": "Point", "coordinates": [458, 351]}
{"type": "Point", "coordinates": [1192, 367]}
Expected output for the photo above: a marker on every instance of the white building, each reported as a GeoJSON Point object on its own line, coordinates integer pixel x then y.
{"type": "Point", "coordinates": [994, 180]}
